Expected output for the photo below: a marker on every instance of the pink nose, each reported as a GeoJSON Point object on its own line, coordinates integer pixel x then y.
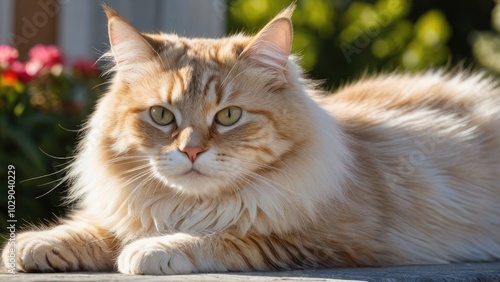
{"type": "Point", "coordinates": [192, 152]}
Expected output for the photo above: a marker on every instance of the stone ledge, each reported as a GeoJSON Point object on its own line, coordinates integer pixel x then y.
{"type": "Point", "coordinates": [450, 272]}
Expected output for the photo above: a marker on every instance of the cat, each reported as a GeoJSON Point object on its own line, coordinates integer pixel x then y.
{"type": "Point", "coordinates": [213, 155]}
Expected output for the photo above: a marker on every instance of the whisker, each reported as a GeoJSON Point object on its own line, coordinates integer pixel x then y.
{"type": "Point", "coordinates": [158, 184]}
{"type": "Point", "coordinates": [101, 84]}
{"type": "Point", "coordinates": [65, 165]}
{"type": "Point", "coordinates": [53, 188]}
{"type": "Point", "coordinates": [136, 168]}
{"type": "Point", "coordinates": [135, 178]}
{"type": "Point", "coordinates": [136, 189]}
{"type": "Point", "coordinates": [277, 187]}
{"type": "Point", "coordinates": [252, 174]}
{"type": "Point", "coordinates": [71, 130]}
{"type": "Point", "coordinates": [54, 157]}
{"type": "Point", "coordinates": [236, 76]}
{"type": "Point", "coordinates": [261, 165]}
{"type": "Point", "coordinates": [228, 73]}
{"type": "Point", "coordinates": [50, 182]}
{"type": "Point", "coordinates": [42, 176]}
{"type": "Point", "coordinates": [126, 161]}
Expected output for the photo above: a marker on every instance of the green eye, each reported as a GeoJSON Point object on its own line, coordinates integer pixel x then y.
{"type": "Point", "coordinates": [161, 116]}
{"type": "Point", "coordinates": [228, 116]}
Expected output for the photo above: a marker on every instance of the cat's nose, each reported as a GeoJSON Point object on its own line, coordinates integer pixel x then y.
{"type": "Point", "coordinates": [192, 152]}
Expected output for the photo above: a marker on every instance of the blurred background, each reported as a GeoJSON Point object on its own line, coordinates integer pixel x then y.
{"type": "Point", "coordinates": [49, 82]}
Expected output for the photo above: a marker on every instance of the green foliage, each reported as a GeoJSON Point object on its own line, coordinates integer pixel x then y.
{"type": "Point", "coordinates": [339, 40]}
{"type": "Point", "coordinates": [486, 44]}
{"type": "Point", "coordinates": [313, 21]}
{"type": "Point", "coordinates": [36, 112]}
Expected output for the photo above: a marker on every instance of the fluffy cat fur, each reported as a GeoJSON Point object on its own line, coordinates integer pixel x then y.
{"type": "Point", "coordinates": [395, 169]}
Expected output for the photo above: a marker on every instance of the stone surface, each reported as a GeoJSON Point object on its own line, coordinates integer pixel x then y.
{"type": "Point", "coordinates": [451, 272]}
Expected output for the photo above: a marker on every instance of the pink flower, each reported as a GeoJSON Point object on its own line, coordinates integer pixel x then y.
{"type": "Point", "coordinates": [47, 56]}
{"type": "Point", "coordinates": [21, 71]}
{"type": "Point", "coordinates": [8, 55]}
{"type": "Point", "coordinates": [43, 59]}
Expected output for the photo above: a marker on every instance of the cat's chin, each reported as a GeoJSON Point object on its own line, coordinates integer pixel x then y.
{"type": "Point", "coordinates": [194, 182]}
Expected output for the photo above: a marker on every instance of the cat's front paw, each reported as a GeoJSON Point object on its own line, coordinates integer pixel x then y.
{"type": "Point", "coordinates": [156, 256]}
{"type": "Point", "coordinates": [34, 252]}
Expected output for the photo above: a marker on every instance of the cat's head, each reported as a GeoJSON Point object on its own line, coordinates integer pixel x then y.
{"type": "Point", "coordinates": [201, 115]}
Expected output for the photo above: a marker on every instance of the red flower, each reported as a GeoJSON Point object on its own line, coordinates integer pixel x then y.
{"type": "Point", "coordinates": [20, 70]}
{"type": "Point", "coordinates": [9, 78]}
{"type": "Point", "coordinates": [8, 55]}
{"type": "Point", "coordinates": [85, 68]}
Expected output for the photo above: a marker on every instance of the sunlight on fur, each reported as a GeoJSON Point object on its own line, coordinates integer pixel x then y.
{"type": "Point", "coordinates": [211, 155]}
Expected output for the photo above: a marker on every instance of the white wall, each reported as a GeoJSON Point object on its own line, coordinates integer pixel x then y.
{"type": "Point", "coordinates": [6, 20]}
{"type": "Point", "coordinates": [83, 30]}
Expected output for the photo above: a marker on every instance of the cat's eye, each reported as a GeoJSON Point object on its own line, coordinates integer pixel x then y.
{"type": "Point", "coordinates": [161, 116]}
{"type": "Point", "coordinates": [228, 116]}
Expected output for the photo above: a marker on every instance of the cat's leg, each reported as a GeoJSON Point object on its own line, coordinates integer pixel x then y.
{"type": "Point", "coordinates": [75, 245]}
{"type": "Point", "coordinates": [182, 253]}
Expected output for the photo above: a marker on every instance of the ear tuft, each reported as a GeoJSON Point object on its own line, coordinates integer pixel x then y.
{"type": "Point", "coordinates": [272, 45]}
{"type": "Point", "coordinates": [110, 13]}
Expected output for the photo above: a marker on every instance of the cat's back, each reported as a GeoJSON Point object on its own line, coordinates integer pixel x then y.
{"type": "Point", "coordinates": [435, 123]}
{"type": "Point", "coordinates": [457, 106]}
{"type": "Point", "coordinates": [455, 94]}
{"type": "Point", "coordinates": [428, 147]}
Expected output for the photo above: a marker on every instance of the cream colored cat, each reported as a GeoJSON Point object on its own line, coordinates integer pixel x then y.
{"type": "Point", "coordinates": [214, 155]}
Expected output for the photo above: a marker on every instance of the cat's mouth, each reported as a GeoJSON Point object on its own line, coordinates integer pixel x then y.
{"type": "Point", "coordinates": [194, 178]}
{"type": "Point", "coordinates": [193, 171]}
{"type": "Point", "coordinates": [194, 181]}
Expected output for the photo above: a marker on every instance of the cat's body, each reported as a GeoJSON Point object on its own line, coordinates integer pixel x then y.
{"type": "Point", "coordinates": [395, 169]}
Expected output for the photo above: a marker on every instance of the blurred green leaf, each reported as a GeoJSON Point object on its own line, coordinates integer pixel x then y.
{"type": "Point", "coordinates": [339, 39]}
{"type": "Point", "coordinates": [30, 115]}
{"type": "Point", "coordinates": [486, 44]}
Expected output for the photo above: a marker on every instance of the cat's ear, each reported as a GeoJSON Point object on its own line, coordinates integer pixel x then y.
{"type": "Point", "coordinates": [272, 45]}
{"type": "Point", "coordinates": [129, 47]}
